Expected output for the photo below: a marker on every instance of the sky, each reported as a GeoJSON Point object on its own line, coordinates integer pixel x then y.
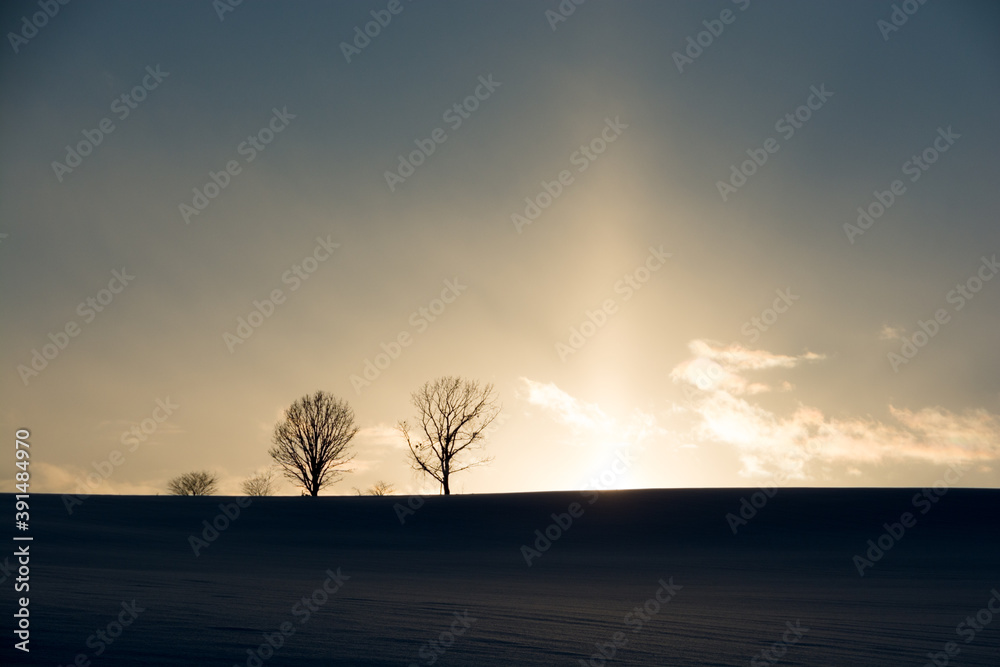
{"type": "Point", "coordinates": [691, 244]}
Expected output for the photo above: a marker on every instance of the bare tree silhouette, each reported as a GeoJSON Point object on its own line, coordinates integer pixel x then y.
{"type": "Point", "coordinates": [379, 488]}
{"type": "Point", "coordinates": [200, 483]}
{"type": "Point", "coordinates": [454, 414]}
{"type": "Point", "coordinates": [259, 484]}
{"type": "Point", "coordinates": [311, 442]}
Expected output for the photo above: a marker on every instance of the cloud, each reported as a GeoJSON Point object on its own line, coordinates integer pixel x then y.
{"type": "Point", "coordinates": [51, 478]}
{"type": "Point", "coordinates": [588, 421]}
{"type": "Point", "coordinates": [380, 435]}
{"type": "Point", "coordinates": [769, 443]}
{"type": "Point", "coordinates": [566, 408]}
{"type": "Point", "coordinates": [890, 333]}
{"type": "Point", "coordinates": [737, 357]}
{"type": "Point", "coordinates": [718, 367]}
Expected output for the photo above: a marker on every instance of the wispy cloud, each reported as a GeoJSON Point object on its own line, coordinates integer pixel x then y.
{"type": "Point", "coordinates": [770, 443]}
{"type": "Point", "coordinates": [566, 408]}
{"type": "Point", "coordinates": [890, 333]}
{"type": "Point", "coordinates": [588, 421]}
{"type": "Point", "coordinates": [718, 367]}
{"type": "Point", "coordinates": [380, 435]}
{"type": "Point", "coordinates": [52, 478]}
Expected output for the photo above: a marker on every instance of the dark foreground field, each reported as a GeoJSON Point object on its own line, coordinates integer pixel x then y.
{"type": "Point", "coordinates": [451, 586]}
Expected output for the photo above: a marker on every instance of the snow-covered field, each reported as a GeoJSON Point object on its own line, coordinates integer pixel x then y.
{"type": "Point", "coordinates": [651, 577]}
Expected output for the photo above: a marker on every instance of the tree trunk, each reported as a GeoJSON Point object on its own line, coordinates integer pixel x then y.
{"type": "Point", "coordinates": [444, 484]}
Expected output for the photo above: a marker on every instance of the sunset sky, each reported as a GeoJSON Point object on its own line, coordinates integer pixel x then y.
{"type": "Point", "coordinates": [582, 224]}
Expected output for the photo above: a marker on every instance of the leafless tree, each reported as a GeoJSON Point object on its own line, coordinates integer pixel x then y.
{"type": "Point", "coordinates": [453, 414]}
{"type": "Point", "coordinates": [259, 484]}
{"type": "Point", "coordinates": [311, 442]}
{"type": "Point", "coordinates": [200, 483]}
{"type": "Point", "coordinates": [379, 488]}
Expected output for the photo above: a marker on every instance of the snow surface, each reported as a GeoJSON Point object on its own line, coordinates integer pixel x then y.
{"type": "Point", "coordinates": [792, 562]}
